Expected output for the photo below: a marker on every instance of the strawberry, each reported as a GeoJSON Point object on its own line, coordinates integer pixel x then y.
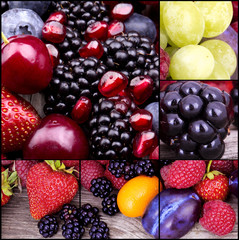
{"type": "Point", "coordinates": [19, 119]}
{"type": "Point", "coordinates": [218, 217]}
{"type": "Point", "coordinates": [90, 169]}
{"type": "Point", "coordinates": [183, 173]}
{"type": "Point", "coordinates": [49, 187]}
{"type": "Point", "coordinates": [8, 181]}
{"type": "Point", "coordinates": [117, 183]}
{"type": "Point", "coordinates": [214, 186]}
{"type": "Point", "coordinates": [223, 166]}
{"type": "Point", "coordinates": [22, 167]}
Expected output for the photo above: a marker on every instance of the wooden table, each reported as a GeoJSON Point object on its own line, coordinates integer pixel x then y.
{"type": "Point", "coordinates": [17, 222]}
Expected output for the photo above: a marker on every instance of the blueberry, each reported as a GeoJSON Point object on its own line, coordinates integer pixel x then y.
{"type": "Point", "coordinates": [141, 24]}
{"type": "Point", "coordinates": [153, 108]}
{"type": "Point", "coordinates": [21, 21]}
{"type": "Point", "coordinates": [40, 7]}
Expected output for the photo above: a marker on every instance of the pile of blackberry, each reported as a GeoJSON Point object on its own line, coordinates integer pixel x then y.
{"type": "Point", "coordinates": [101, 187]}
{"type": "Point", "coordinates": [111, 135]}
{"type": "Point", "coordinates": [79, 77]}
{"type": "Point", "coordinates": [109, 205]}
{"type": "Point", "coordinates": [234, 95]}
{"type": "Point", "coordinates": [194, 119]}
{"type": "Point", "coordinates": [133, 56]}
{"type": "Point", "coordinates": [130, 169]}
{"type": "Point", "coordinates": [48, 226]}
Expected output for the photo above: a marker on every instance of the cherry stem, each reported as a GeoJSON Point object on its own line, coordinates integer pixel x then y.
{"type": "Point", "coordinates": [4, 38]}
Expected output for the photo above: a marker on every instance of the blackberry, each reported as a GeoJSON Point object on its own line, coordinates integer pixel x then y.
{"type": "Point", "coordinates": [132, 55]}
{"type": "Point", "coordinates": [79, 77]}
{"type": "Point", "coordinates": [101, 187]}
{"type": "Point", "coordinates": [48, 226]}
{"type": "Point", "coordinates": [194, 120]}
{"type": "Point", "coordinates": [117, 167]}
{"type": "Point", "coordinates": [88, 214]}
{"type": "Point", "coordinates": [109, 205]}
{"type": "Point", "coordinates": [111, 135]}
{"type": "Point", "coordinates": [68, 211]}
{"type": "Point", "coordinates": [234, 95]}
{"type": "Point", "coordinates": [99, 230]}
{"type": "Point", "coordinates": [72, 229]}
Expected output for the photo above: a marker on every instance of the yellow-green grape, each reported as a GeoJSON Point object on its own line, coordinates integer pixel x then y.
{"type": "Point", "coordinates": [219, 73]}
{"type": "Point", "coordinates": [183, 22]}
{"type": "Point", "coordinates": [217, 16]}
{"type": "Point", "coordinates": [192, 62]}
{"type": "Point", "coordinates": [161, 7]}
{"type": "Point", "coordinates": [223, 53]}
{"type": "Point", "coordinates": [171, 51]}
{"type": "Point", "coordinates": [163, 39]}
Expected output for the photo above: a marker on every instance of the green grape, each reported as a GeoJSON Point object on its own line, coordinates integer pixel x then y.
{"type": "Point", "coordinates": [219, 73]}
{"type": "Point", "coordinates": [161, 7]}
{"type": "Point", "coordinates": [171, 51]}
{"type": "Point", "coordinates": [192, 62]}
{"type": "Point", "coordinates": [183, 22]}
{"type": "Point", "coordinates": [163, 39]}
{"type": "Point", "coordinates": [223, 53]}
{"type": "Point", "coordinates": [217, 16]}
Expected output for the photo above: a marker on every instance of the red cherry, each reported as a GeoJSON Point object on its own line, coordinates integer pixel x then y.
{"type": "Point", "coordinates": [144, 143]}
{"type": "Point", "coordinates": [57, 137]}
{"type": "Point", "coordinates": [92, 49]}
{"type": "Point", "coordinates": [112, 83]}
{"type": "Point", "coordinates": [115, 28]}
{"type": "Point", "coordinates": [122, 11]}
{"type": "Point", "coordinates": [54, 54]}
{"type": "Point", "coordinates": [58, 17]}
{"type": "Point", "coordinates": [141, 88]}
{"type": "Point", "coordinates": [155, 153]}
{"type": "Point", "coordinates": [81, 110]}
{"type": "Point", "coordinates": [141, 120]}
{"type": "Point", "coordinates": [26, 65]}
{"type": "Point", "coordinates": [97, 30]}
{"type": "Point", "coordinates": [54, 32]}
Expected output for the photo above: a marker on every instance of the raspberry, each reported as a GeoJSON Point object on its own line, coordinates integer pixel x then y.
{"type": "Point", "coordinates": [164, 64]}
{"type": "Point", "coordinates": [218, 217]}
{"type": "Point", "coordinates": [183, 173]}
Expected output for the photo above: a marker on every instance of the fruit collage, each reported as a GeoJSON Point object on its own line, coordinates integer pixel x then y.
{"type": "Point", "coordinates": [80, 119]}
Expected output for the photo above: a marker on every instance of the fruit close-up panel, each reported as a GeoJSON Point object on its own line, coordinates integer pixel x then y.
{"type": "Point", "coordinates": [198, 199]}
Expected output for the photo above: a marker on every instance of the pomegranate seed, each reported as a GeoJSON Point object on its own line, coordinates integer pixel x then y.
{"type": "Point", "coordinates": [122, 11]}
{"type": "Point", "coordinates": [121, 107]}
{"type": "Point", "coordinates": [54, 54]}
{"type": "Point", "coordinates": [144, 143]}
{"type": "Point", "coordinates": [141, 88]}
{"type": "Point", "coordinates": [115, 28]}
{"type": "Point", "coordinates": [155, 153]}
{"type": "Point", "coordinates": [92, 49]}
{"type": "Point", "coordinates": [112, 83]}
{"type": "Point", "coordinates": [54, 32]}
{"type": "Point", "coordinates": [141, 120]}
{"type": "Point", "coordinates": [81, 111]}
{"type": "Point", "coordinates": [58, 17]}
{"type": "Point", "coordinates": [97, 30]}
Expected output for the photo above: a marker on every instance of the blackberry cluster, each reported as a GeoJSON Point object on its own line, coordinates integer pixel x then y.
{"type": "Point", "coordinates": [68, 211]}
{"type": "Point", "coordinates": [99, 230]}
{"type": "Point", "coordinates": [131, 169]}
{"type": "Point", "coordinates": [194, 119]}
{"type": "Point", "coordinates": [101, 187]}
{"type": "Point", "coordinates": [48, 226]}
{"type": "Point", "coordinates": [109, 205]}
{"type": "Point", "coordinates": [88, 214]}
{"type": "Point", "coordinates": [111, 135]}
{"type": "Point", "coordinates": [79, 77]}
{"type": "Point", "coordinates": [72, 229]}
{"type": "Point", "coordinates": [132, 55]}
{"type": "Point", "coordinates": [234, 95]}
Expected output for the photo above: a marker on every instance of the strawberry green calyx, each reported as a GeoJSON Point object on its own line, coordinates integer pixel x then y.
{"type": "Point", "coordinates": [8, 182]}
{"type": "Point", "coordinates": [57, 165]}
{"type": "Point", "coordinates": [211, 174]}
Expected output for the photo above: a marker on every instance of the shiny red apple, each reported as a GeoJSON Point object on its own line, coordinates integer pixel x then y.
{"type": "Point", "coordinates": [26, 64]}
{"type": "Point", "coordinates": [57, 137]}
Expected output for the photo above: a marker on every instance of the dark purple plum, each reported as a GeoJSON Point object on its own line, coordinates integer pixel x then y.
{"type": "Point", "coordinates": [150, 220]}
{"type": "Point", "coordinates": [233, 183]}
{"type": "Point", "coordinates": [179, 211]}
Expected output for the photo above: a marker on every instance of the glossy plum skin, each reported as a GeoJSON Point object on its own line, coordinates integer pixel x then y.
{"type": "Point", "coordinates": [57, 137]}
{"type": "Point", "coordinates": [233, 183]}
{"type": "Point", "coordinates": [150, 220]}
{"type": "Point", "coordinates": [179, 211]}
